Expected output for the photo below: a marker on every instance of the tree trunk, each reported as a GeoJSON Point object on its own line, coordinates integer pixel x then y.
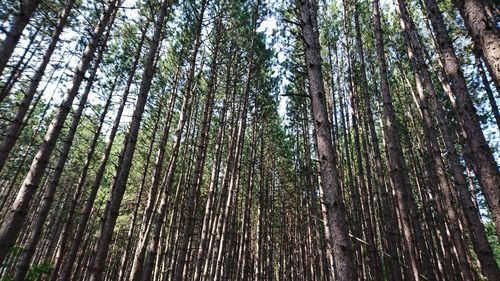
{"type": "Point", "coordinates": [82, 223]}
{"type": "Point", "coordinates": [436, 167]}
{"type": "Point", "coordinates": [397, 169]}
{"type": "Point", "coordinates": [202, 144]}
{"type": "Point", "coordinates": [487, 88]}
{"type": "Point", "coordinates": [484, 33]}
{"type": "Point", "coordinates": [19, 22]}
{"type": "Point", "coordinates": [344, 265]}
{"type": "Point", "coordinates": [155, 182]}
{"type": "Point", "coordinates": [119, 185]}
{"type": "Point", "coordinates": [12, 133]}
{"type": "Point", "coordinates": [12, 224]}
{"type": "Point", "coordinates": [50, 190]}
{"type": "Point", "coordinates": [78, 190]}
{"type": "Point", "coordinates": [487, 39]}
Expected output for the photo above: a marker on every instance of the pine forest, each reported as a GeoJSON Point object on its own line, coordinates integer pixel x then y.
{"type": "Point", "coordinates": [309, 140]}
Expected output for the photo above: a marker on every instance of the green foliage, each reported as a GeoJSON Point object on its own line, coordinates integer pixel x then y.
{"type": "Point", "coordinates": [493, 239]}
{"type": "Point", "coordinates": [39, 272]}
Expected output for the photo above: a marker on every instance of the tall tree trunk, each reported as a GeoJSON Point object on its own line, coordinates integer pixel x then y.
{"type": "Point", "coordinates": [376, 271]}
{"type": "Point", "coordinates": [233, 169]}
{"type": "Point", "coordinates": [12, 133]}
{"type": "Point", "coordinates": [484, 33]}
{"type": "Point", "coordinates": [487, 39]}
{"type": "Point", "coordinates": [344, 264]}
{"type": "Point", "coordinates": [153, 229]}
{"type": "Point", "coordinates": [13, 222]}
{"type": "Point", "coordinates": [130, 235]}
{"type": "Point", "coordinates": [397, 167]}
{"type": "Point", "coordinates": [21, 64]}
{"type": "Point", "coordinates": [119, 185]}
{"type": "Point", "coordinates": [156, 180]}
{"type": "Point", "coordinates": [59, 256]}
{"type": "Point", "coordinates": [50, 190]}
{"type": "Point", "coordinates": [387, 212]}
{"type": "Point", "coordinates": [19, 22]}
{"type": "Point", "coordinates": [436, 167]}
{"type": "Point", "coordinates": [487, 88]}
{"type": "Point", "coordinates": [214, 182]}
{"type": "Point", "coordinates": [89, 203]}
{"type": "Point", "coordinates": [202, 144]}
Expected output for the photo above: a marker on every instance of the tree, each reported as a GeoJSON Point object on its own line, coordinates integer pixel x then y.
{"type": "Point", "coordinates": [344, 267]}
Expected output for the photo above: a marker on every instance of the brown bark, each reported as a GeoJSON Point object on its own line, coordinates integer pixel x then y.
{"type": "Point", "coordinates": [21, 64]}
{"type": "Point", "coordinates": [484, 33]}
{"type": "Point", "coordinates": [155, 183]}
{"type": "Point", "coordinates": [387, 213]}
{"type": "Point", "coordinates": [376, 271]}
{"type": "Point", "coordinates": [397, 167]}
{"type": "Point", "coordinates": [487, 88]}
{"type": "Point", "coordinates": [344, 264]}
{"type": "Point", "coordinates": [487, 39]}
{"type": "Point", "coordinates": [12, 224]}
{"type": "Point", "coordinates": [436, 167]}
{"type": "Point", "coordinates": [15, 127]}
{"type": "Point", "coordinates": [119, 185]}
{"type": "Point", "coordinates": [211, 197]}
{"type": "Point", "coordinates": [89, 203]}
{"type": "Point", "coordinates": [202, 144]}
{"type": "Point", "coordinates": [152, 233]}
{"type": "Point", "coordinates": [50, 190]}
{"type": "Point", "coordinates": [19, 22]}
{"type": "Point", "coordinates": [78, 191]}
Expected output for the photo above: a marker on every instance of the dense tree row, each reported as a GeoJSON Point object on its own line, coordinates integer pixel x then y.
{"type": "Point", "coordinates": [192, 140]}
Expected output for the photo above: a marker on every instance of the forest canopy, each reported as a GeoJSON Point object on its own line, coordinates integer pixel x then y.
{"type": "Point", "coordinates": [249, 140]}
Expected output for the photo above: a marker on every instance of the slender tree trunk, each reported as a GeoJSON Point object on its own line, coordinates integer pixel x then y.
{"type": "Point", "coordinates": [153, 229]}
{"type": "Point", "coordinates": [85, 216]}
{"type": "Point", "coordinates": [12, 133]}
{"type": "Point", "coordinates": [139, 197]}
{"type": "Point", "coordinates": [376, 270]}
{"type": "Point", "coordinates": [487, 39]}
{"type": "Point", "coordinates": [156, 180]}
{"type": "Point", "coordinates": [21, 65]}
{"type": "Point", "coordinates": [13, 222]}
{"type": "Point", "coordinates": [397, 169]}
{"type": "Point", "coordinates": [436, 168]}
{"type": "Point", "coordinates": [487, 88]}
{"type": "Point", "coordinates": [203, 138]}
{"type": "Point", "coordinates": [344, 265]}
{"type": "Point", "coordinates": [388, 216]}
{"type": "Point", "coordinates": [235, 166]}
{"type": "Point", "coordinates": [483, 32]}
{"type": "Point", "coordinates": [48, 195]}
{"type": "Point", "coordinates": [211, 197]}
{"type": "Point", "coordinates": [153, 191]}
{"type": "Point", "coordinates": [19, 22]}
{"type": "Point", "coordinates": [119, 185]}
{"type": "Point", "coordinates": [78, 190]}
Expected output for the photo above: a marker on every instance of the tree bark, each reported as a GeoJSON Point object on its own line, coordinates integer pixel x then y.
{"type": "Point", "coordinates": [487, 39]}
{"type": "Point", "coordinates": [50, 190]}
{"type": "Point", "coordinates": [13, 222]}
{"type": "Point", "coordinates": [12, 133]}
{"type": "Point", "coordinates": [484, 33]}
{"type": "Point", "coordinates": [487, 88]}
{"type": "Point", "coordinates": [344, 264]}
{"type": "Point", "coordinates": [59, 256]}
{"type": "Point", "coordinates": [89, 203]}
{"type": "Point", "coordinates": [397, 167]}
{"type": "Point", "coordinates": [19, 22]}
{"type": "Point", "coordinates": [119, 185]}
